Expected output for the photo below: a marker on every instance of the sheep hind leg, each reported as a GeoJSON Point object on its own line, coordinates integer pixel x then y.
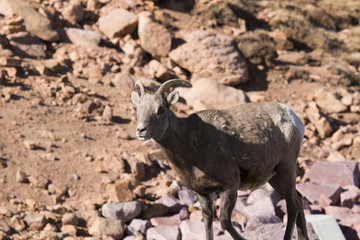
{"type": "Point", "coordinates": [300, 220]}
{"type": "Point", "coordinates": [284, 183]}
{"type": "Point", "coordinates": [227, 203]}
{"type": "Point", "coordinates": [206, 203]}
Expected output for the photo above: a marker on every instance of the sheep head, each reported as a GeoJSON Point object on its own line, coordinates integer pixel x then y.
{"type": "Point", "coordinates": [153, 109]}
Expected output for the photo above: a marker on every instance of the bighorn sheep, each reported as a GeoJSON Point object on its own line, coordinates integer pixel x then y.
{"type": "Point", "coordinates": [225, 150]}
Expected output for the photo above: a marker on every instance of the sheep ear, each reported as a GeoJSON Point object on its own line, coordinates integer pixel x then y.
{"type": "Point", "coordinates": [135, 98]}
{"type": "Point", "coordinates": [172, 98]}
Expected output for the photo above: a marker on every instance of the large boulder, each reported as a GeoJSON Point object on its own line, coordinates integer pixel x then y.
{"type": "Point", "coordinates": [207, 93]}
{"type": "Point", "coordinates": [154, 38]}
{"type": "Point", "coordinates": [35, 23]}
{"type": "Point", "coordinates": [213, 55]}
{"type": "Point", "coordinates": [118, 23]}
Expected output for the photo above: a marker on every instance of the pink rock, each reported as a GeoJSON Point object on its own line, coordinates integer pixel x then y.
{"type": "Point", "coordinates": [263, 210]}
{"type": "Point", "coordinates": [138, 226]}
{"type": "Point", "coordinates": [187, 197]}
{"type": "Point", "coordinates": [192, 229]}
{"type": "Point", "coordinates": [337, 212]}
{"type": "Point", "coordinates": [343, 173]}
{"type": "Point", "coordinates": [163, 233]}
{"type": "Point", "coordinates": [174, 220]}
{"type": "Point", "coordinates": [313, 191]}
{"type": "Point", "coordinates": [171, 202]}
{"type": "Point", "coordinates": [350, 196]}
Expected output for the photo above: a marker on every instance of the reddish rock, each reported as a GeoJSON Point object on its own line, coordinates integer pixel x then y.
{"type": "Point", "coordinates": [138, 226]}
{"type": "Point", "coordinates": [343, 173]}
{"type": "Point", "coordinates": [313, 192]}
{"type": "Point", "coordinates": [350, 196]}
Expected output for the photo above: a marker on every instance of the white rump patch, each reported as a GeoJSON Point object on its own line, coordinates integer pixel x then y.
{"type": "Point", "coordinates": [288, 121]}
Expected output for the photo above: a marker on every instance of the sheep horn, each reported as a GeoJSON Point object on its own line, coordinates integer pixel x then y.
{"type": "Point", "coordinates": [140, 85]}
{"type": "Point", "coordinates": [168, 84]}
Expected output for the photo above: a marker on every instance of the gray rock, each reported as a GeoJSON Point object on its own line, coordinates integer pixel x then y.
{"type": "Point", "coordinates": [35, 23]}
{"type": "Point", "coordinates": [212, 55]}
{"type": "Point", "coordinates": [343, 173]}
{"type": "Point", "coordinates": [26, 45]}
{"type": "Point", "coordinates": [313, 192]}
{"type": "Point", "coordinates": [187, 197]}
{"type": "Point", "coordinates": [163, 233]}
{"type": "Point", "coordinates": [154, 38]}
{"type": "Point", "coordinates": [124, 211]}
{"type": "Point", "coordinates": [325, 227]}
{"type": "Point", "coordinates": [81, 37]}
{"type": "Point", "coordinates": [207, 93]}
{"type": "Point", "coordinates": [118, 23]}
{"type": "Point", "coordinates": [138, 226]}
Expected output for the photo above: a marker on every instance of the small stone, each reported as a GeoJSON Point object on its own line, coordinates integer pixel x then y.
{"type": "Point", "coordinates": [263, 211]}
{"type": "Point", "coordinates": [123, 81]}
{"type": "Point", "coordinates": [81, 37]}
{"type": "Point", "coordinates": [322, 124]}
{"type": "Point", "coordinates": [164, 233]}
{"type": "Point", "coordinates": [335, 156]}
{"type": "Point", "coordinates": [39, 181]}
{"type": "Point", "coordinates": [107, 115]}
{"type": "Point", "coordinates": [158, 71]}
{"type": "Point", "coordinates": [121, 191]}
{"type": "Point", "coordinates": [347, 100]}
{"type": "Point", "coordinates": [137, 168]}
{"type": "Point", "coordinates": [69, 229]}
{"type": "Point", "coordinates": [36, 221]}
{"type": "Point", "coordinates": [48, 157]}
{"type": "Point", "coordinates": [350, 196]}
{"type": "Point", "coordinates": [109, 227]}
{"type": "Point", "coordinates": [31, 145]}
{"type": "Point", "coordinates": [50, 228]}
{"type": "Point", "coordinates": [171, 202]}
{"type": "Point", "coordinates": [173, 220]}
{"type": "Point", "coordinates": [21, 177]}
{"type": "Point", "coordinates": [125, 211]}
{"type": "Point", "coordinates": [74, 12]}
{"type": "Point", "coordinates": [6, 211]}
{"type": "Point", "coordinates": [355, 108]}
{"type": "Point", "coordinates": [138, 226]}
{"type": "Point", "coordinates": [187, 197]}
{"type": "Point", "coordinates": [69, 219]}
{"type": "Point", "coordinates": [154, 210]}
{"type": "Point", "coordinates": [118, 23]}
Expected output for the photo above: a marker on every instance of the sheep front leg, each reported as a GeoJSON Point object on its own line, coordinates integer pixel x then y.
{"type": "Point", "coordinates": [206, 202]}
{"type": "Point", "coordinates": [227, 203]}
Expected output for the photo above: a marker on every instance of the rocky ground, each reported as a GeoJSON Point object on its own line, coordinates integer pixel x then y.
{"type": "Point", "coordinates": [70, 166]}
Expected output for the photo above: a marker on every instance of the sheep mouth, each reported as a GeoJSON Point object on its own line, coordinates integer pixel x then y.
{"type": "Point", "coordinates": [143, 137]}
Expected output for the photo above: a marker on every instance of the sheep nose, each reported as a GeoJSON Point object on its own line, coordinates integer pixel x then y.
{"type": "Point", "coordinates": [140, 130]}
